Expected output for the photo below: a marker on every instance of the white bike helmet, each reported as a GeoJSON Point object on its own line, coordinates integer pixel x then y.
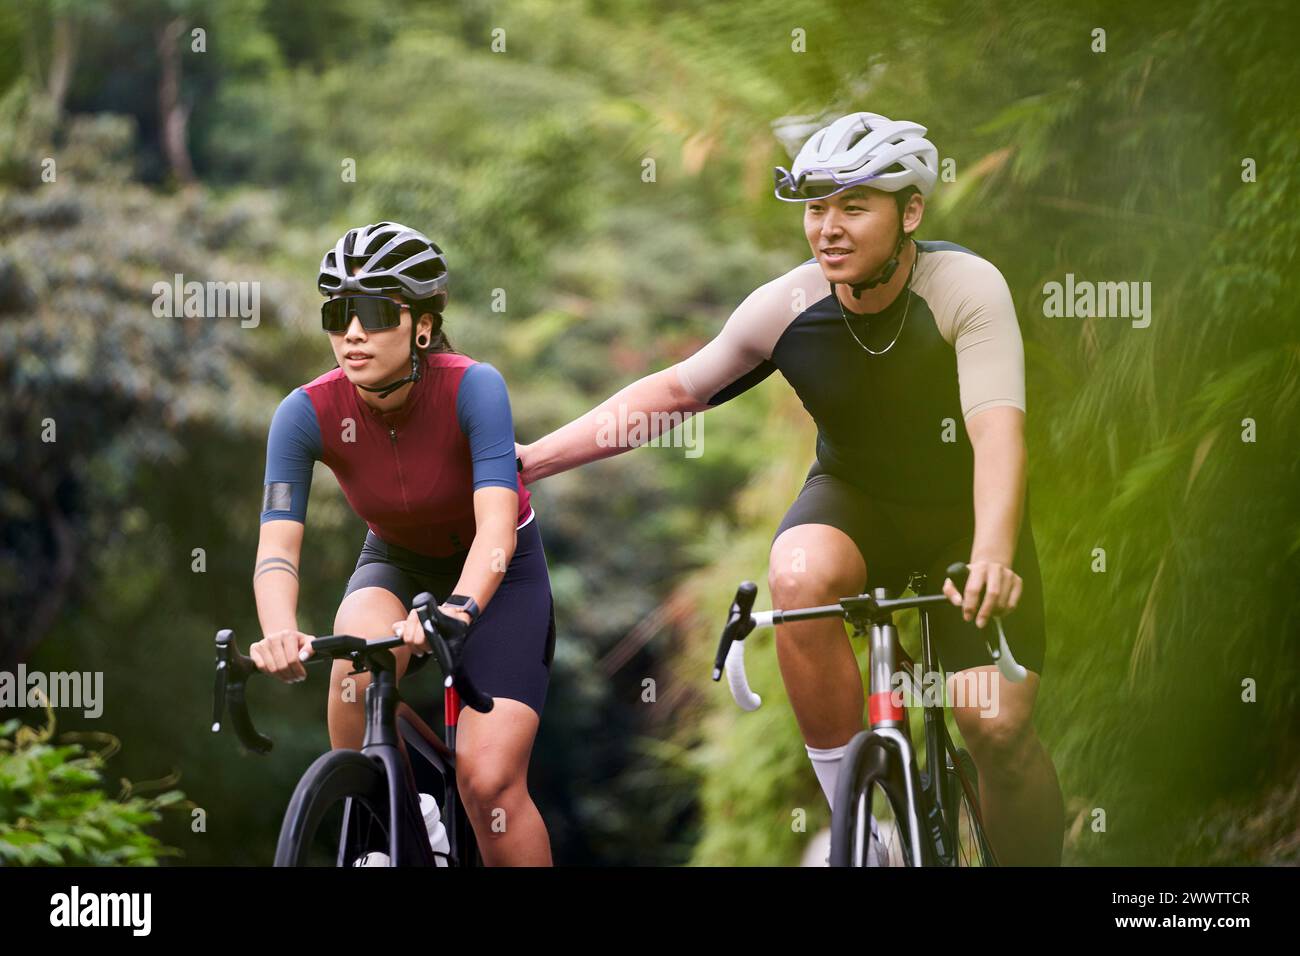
{"type": "Point", "coordinates": [858, 149]}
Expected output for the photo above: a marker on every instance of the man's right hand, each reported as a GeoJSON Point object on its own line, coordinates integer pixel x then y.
{"type": "Point", "coordinates": [277, 654]}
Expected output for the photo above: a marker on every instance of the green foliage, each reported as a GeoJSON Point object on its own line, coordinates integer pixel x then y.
{"type": "Point", "coordinates": [54, 811]}
{"type": "Point", "coordinates": [28, 121]}
{"type": "Point", "coordinates": [527, 166]}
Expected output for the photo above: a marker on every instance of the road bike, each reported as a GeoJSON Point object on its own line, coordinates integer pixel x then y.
{"type": "Point", "coordinates": [363, 808]}
{"type": "Point", "coordinates": [887, 810]}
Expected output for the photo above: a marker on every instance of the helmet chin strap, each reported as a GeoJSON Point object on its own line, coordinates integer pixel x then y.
{"type": "Point", "coordinates": [887, 271]}
{"type": "Point", "coordinates": [385, 390]}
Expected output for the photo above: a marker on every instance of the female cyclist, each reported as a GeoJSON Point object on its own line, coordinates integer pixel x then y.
{"type": "Point", "coordinates": [427, 459]}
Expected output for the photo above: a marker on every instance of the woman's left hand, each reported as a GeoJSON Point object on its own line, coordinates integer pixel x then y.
{"type": "Point", "coordinates": [412, 634]}
{"type": "Point", "coordinates": [459, 614]}
{"type": "Point", "coordinates": [1000, 586]}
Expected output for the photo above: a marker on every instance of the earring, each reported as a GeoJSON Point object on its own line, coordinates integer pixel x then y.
{"type": "Point", "coordinates": [422, 341]}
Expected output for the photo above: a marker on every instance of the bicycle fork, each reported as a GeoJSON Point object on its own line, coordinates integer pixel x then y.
{"type": "Point", "coordinates": [889, 730]}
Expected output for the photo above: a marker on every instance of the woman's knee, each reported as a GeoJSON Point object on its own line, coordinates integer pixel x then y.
{"type": "Point", "coordinates": [486, 784]}
{"type": "Point", "coordinates": [369, 612]}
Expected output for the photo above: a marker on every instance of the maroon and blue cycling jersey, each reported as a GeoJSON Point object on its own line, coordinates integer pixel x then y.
{"type": "Point", "coordinates": [410, 473]}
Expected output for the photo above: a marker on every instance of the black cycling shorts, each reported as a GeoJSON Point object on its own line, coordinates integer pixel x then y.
{"type": "Point", "coordinates": [895, 539]}
{"type": "Point", "coordinates": [509, 648]}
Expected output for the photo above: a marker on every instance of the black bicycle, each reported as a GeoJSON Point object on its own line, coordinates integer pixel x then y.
{"type": "Point", "coordinates": [354, 808]}
{"type": "Point", "coordinates": [887, 811]}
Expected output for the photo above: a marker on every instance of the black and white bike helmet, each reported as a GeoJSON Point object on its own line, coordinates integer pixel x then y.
{"type": "Point", "coordinates": [393, 258]}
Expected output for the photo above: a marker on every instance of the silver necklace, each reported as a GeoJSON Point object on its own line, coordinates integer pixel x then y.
{"type": "Point", "coordinates": [907, 289]}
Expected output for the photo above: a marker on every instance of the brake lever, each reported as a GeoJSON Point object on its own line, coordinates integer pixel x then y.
{"type": "Point", "coordinates": [1001, 655]}
{"type": "Point", "coordinates": [233, 670]}
{"type": "Point", "coordinates": [447, 636]}
{"type": "Point", "coordinates": [739, 624]}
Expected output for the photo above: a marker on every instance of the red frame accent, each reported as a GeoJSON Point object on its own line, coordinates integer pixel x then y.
{"type": "Point", "coordinates": [450, 706]}
{"type": "Point", "coordinates": [881, 707]}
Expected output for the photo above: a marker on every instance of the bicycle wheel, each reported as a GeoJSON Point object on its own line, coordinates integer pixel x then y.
{"type": "Point", "coordinates": [869, 819]}
{"type": "Point", "coordinates": [338, 813]}
{"type": "Point", "coordinates": [961, 790]}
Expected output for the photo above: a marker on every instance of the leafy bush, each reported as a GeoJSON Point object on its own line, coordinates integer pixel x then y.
{"type": "Point", "coordinates": [54, 810]}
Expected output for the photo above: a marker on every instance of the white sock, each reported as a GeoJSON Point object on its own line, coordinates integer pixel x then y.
{"type": "Point", "coordinates": [826, 764]}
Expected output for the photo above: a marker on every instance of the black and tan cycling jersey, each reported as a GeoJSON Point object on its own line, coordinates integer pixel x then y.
{"type": "Point", "coordinates": [893, 423]}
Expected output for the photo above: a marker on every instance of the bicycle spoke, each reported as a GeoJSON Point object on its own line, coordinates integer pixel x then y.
{"type": "Point", "coordinates": [886, 842]}
{"type": "Point", "coordinates": [970, 842]}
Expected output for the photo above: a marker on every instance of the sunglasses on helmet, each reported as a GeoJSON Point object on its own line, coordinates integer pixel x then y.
{"type": "Point", "coordinates": [376, 313]}
{"type": "Point", "coordinates": [792, 189]}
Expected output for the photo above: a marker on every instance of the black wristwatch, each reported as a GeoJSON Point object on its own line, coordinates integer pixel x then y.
{"type": "Point", "coordinates": [463, 602]}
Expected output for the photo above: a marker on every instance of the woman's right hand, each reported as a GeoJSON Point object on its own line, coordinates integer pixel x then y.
{"type": "Point", "coordinates": [277, 654]}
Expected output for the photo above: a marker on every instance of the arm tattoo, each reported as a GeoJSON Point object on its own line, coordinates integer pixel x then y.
{"type": "Point", "coordinates": [267, 565]}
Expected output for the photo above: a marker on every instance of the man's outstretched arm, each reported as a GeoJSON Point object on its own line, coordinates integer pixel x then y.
{"type": "Point", "coordinates": [736, 360]}
{"type": "Point", "coordinates": [580, 441]}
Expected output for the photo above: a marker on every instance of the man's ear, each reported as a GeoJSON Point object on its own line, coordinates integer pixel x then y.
{"type": "Point", "coordinates": [913, 213]}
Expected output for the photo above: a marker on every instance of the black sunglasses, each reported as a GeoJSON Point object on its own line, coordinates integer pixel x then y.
{"type": "Point", "coordinates": [376, 313]}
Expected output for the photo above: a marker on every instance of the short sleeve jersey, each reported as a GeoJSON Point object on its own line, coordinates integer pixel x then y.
{"type": "Point", "coordinates": [892, 423]}
{"type": "Point", "coordinates": [411, 473]}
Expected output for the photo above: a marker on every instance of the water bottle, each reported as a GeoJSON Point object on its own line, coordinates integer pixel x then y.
{"type": "Point", "coordinates": [437, 832]}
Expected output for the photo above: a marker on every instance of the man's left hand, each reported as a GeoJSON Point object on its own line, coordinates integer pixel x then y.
{"type": "Point", "coordinates": [999, 585]}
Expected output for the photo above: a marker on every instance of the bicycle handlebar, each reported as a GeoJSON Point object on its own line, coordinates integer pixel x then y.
{"type": "Point", "coordinates": [742, 620]}
{"type": "Point", "coordinates": [446, 635]}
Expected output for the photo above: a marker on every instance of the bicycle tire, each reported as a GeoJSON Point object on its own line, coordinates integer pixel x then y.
{"type": "Point", "coordinates": [961, 780]}
{"type": "Point", "coordinates": [339, 776]}
{"type": "Point", "coordinates": [864, 791]}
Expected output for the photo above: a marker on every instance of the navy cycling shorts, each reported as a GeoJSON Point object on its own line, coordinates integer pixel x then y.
{"type": "Point", "coordinates": [896, 539]}
{"type": "Point", "coordinates": [510, 646]}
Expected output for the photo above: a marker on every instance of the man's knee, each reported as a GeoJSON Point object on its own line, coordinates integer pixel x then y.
{"type": "Point", "coordinates": [796, 576]}
{"type": "Point", "coordinates": [1001, 737]}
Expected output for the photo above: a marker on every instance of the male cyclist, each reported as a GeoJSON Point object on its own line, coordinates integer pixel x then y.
{"type": "Point", "coordinates": [908, 356]}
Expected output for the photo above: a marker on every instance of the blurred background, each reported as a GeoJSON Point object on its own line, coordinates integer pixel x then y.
{"type": "Point", "coordinates": [133, 149]}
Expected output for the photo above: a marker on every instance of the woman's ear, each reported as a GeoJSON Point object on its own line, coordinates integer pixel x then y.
{"type": "Point", "coordinates": [428, 326]}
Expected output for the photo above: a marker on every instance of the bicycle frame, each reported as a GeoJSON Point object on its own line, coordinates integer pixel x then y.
{"type": "Point", "coordinates": [889, 724]}
{"type": "Point", "coordinates": [930, 840]}
{"type": "Point", "coordinates": [408, 845]}
{"type": "Point", "coordinates": [440, 756]}
{"type": "Point", "coordinates": [387, 730]}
